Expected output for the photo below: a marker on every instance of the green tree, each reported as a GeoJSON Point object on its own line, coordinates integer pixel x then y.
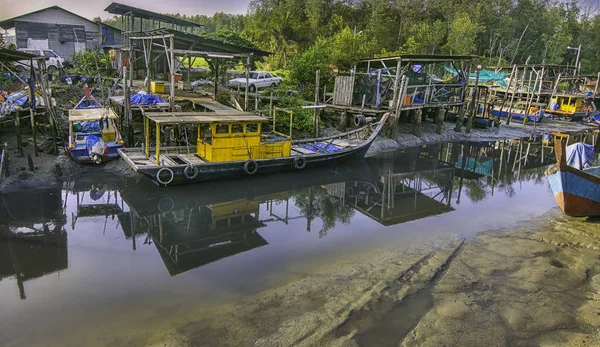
{"type": "Point", "coordinates": [462, 35]}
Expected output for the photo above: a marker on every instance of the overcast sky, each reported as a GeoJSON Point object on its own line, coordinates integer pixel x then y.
{"type": "Point", "coordinates": [94, 8]}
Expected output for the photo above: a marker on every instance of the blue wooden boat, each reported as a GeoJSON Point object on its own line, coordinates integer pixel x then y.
{"type": "Point", "coordinates": [576, 191]}
{"type": "Point", "coordinates": [518, 114]}
{"type": "Point", "coordinates": [93, 134]}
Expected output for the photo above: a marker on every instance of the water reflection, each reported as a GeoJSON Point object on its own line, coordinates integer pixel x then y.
{"type": "Point", "coordinates": [192, 226]}
{"type": "Point", "coordinates": [33, 240]}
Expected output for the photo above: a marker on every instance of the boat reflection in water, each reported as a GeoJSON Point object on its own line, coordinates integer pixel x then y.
{"type": "Point", "coordinates": [33, 240]}
{"type": "Point", "coordinates": [195, 226]}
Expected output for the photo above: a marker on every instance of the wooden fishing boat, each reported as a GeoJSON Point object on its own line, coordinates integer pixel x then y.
{"type": "Point", "coordinates": [231, 144]}
{"type": "Point", "coordinates": [571, 106]}
{"type": "Point", "coordinates": [518, 112]}
{"type": "Point", "coordinates": [577, 192]}
{"type": "Point", "coordinates": [93, 134]}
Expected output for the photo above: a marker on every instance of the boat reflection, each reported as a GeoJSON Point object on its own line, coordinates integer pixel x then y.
{"type": "Point", "coordinates": [194, 226]}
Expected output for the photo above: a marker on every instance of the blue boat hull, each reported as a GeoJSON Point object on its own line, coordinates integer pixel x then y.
{"type": "Point", "coordinates": [516, 115]}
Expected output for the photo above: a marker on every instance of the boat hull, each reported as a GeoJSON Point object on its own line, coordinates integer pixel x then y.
{"type": "Point", "coordinates": [576, 196]}
{"type": "Point", "coordinates": [517, 115]}
{"type": "Point", "coordinates": [230, 170]}
{"type": "Point", "coordinates": [81, 156]}
{"type": "Point", "coordinates": [577, 192]}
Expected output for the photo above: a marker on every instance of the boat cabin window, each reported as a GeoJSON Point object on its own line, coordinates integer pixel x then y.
{"type": "Point", "coordinates": [205, 133]}
{"type": "Point", "coordinates": [237, 128]}
{"type": "Point", "coordinates": [252, 128]}
{"type": "Point", "coordinates": [222, 129]}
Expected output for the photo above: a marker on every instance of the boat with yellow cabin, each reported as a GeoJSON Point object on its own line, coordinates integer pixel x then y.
{"type": "Point", "coordinates": [232, 144]}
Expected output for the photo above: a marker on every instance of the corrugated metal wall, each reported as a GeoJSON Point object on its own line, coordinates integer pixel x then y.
{"type": "Point", "coordinates": [62, 29]}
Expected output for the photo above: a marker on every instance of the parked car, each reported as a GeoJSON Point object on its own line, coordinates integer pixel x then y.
{"type": "Point", "coordinates": [54, 61]}
{"type": "Point", "coordinates": [256, 79]}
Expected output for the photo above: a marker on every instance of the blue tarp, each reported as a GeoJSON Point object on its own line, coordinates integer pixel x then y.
{"type": "Point", "coordinates": [322, 148]}
{"type": "Point", "coordinates": [88, 103]}
{"type": "Point", "coordinates": [145, 99]}
{"type": "Point", "coordinates": [580, 155]}
{"type": "Point", "coordinates": [484, 76]}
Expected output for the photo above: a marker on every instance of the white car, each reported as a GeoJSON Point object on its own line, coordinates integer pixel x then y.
{"type": "Point", "coordinates": [53, 62]}
{"type": "Point", "coordinates": [256, 79]}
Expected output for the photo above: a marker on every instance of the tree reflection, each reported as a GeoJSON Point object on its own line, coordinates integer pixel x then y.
{"type": "Point", "coordinates": [315, 202]}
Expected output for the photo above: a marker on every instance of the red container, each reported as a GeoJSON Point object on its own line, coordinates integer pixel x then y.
{"type": "Point", "coordinates": [177, 77]}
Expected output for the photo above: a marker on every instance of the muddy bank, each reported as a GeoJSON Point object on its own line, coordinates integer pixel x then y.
{"type": "Point", "coordinates": [538, 284]}
{"type": "Point", "coordinates": [515, 130]}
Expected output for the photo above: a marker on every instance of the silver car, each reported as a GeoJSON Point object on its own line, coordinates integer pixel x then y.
{"type": "Point", "coordinates": [256, 79]}
{"type": "Point", "coordinates": [53, 61]}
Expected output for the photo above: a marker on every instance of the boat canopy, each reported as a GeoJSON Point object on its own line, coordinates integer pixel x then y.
{"type": "Point", "coordinates": [170, 118]}
{"type": "Point", "coordinates": [78, 115]}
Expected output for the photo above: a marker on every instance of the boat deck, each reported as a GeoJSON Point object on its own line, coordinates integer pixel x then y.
{"type": "Point", "coordinates": [136, 158]}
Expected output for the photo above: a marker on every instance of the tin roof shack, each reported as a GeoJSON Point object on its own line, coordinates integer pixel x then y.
{"type": "Point", "coordinates": [410, 86]}
{"type": "Point", "coordinates": [54, 28]}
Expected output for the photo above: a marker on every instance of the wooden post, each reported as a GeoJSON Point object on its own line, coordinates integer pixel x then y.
{"type": "Point", "coordinates": [147, 131]}
{"type": "Point", "coordinates": [32, 118]}
{"type": "Point", "coordinates": [247, 67]}
{"type": "Point", "coordinates": [475, 108]}
{"type": "Point", "coordinates": [440, 120]}
{"type": "Point", "coordinates": [397, 93]}
{"type": "Point", "coordinates": [510, 107]}
{"type": "Point", "coordinates": [528, 106]}
{"type": "Point", "coordinates": [316, 114]}
{"type": "Point", "coordinates": [461, 113]}
{"type": "Point", "coordinates": [18, 132]}
{"type": "Point", "coordinates": [172, 70]}
{"type": "Point", "coordinates": [418, 117]}
{"type": "Point", "coordinates": [127, 108]}
{"type": "Point", "coordinates": [157, 144]}
{"type": "Point", "coordinates": [271, 105]}
{"type": "Point", "coordinates": [216, 77]}
{"type": "Point", "coordinates": [510, 79]}
{"type": "Point", "coordinates": [596, 88]}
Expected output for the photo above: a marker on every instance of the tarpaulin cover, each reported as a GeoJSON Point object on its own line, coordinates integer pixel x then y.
{"type": "Point", "coordinates": [322, 148]}
{"type": "Point", "coordinates": [484, 76]}
{"type": "Point", "coordinates": [95, 145]}
{"type": "Point", "coordinates": [88, 103]}
{"type": "Point", "coordinates": [580, 155]}
{"type": "Point", "coordinates": [12, 101]}
{"type": "Point", "coordinates": [86, 127]}
{"type": "Point", "coordinates": [145, 99]}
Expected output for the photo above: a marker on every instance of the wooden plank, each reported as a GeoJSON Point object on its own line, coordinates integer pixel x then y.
{"type": "Point", "coordinates": [342, 91]}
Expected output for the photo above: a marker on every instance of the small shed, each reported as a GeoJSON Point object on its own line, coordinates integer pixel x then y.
{"type": "Point", "coordinates": [54, 28]}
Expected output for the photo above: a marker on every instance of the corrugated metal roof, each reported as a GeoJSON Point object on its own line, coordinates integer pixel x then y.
{"type": "Point", "coordinates": [121, 9]}
{"type": "Point", "coordinates": [14, 55]}
{"type": "Point", "coordinates": [10, 22]}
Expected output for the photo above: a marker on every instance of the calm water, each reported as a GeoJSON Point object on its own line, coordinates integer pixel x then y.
{"type": "Point", "coordinates": [73, 259]}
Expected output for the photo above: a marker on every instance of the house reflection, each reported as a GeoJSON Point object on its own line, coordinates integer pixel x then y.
{"type": "Point", "coordinates": [33, 240]}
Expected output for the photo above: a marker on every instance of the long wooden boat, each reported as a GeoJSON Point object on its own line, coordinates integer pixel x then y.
{"type": "Point", "coordinates": [577, 192]}
{"type": "Point", "coordinates": [534, 115]}
{"type": "Point", "coordinates": [93, 134]}
{"type": "Point", "coordinates": [231, 144]}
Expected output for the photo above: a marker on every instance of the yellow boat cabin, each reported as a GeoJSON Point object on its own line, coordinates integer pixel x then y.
{"type": "Point", "coordinates": [223, 137]}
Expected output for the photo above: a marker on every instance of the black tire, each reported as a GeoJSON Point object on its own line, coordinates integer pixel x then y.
{"type": "Point", "coordinates": [250, 167]}
{"type": "Point", "coordinates": [252, 88]}
{"type": "Point", "coordinates": [299, 162]}
{"type": "Point", "coordinates": [273, 85]}
{"type": "Point", "coordinates": [190, 175]}
{"type": "Point", "coordinates": [52, 69]}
